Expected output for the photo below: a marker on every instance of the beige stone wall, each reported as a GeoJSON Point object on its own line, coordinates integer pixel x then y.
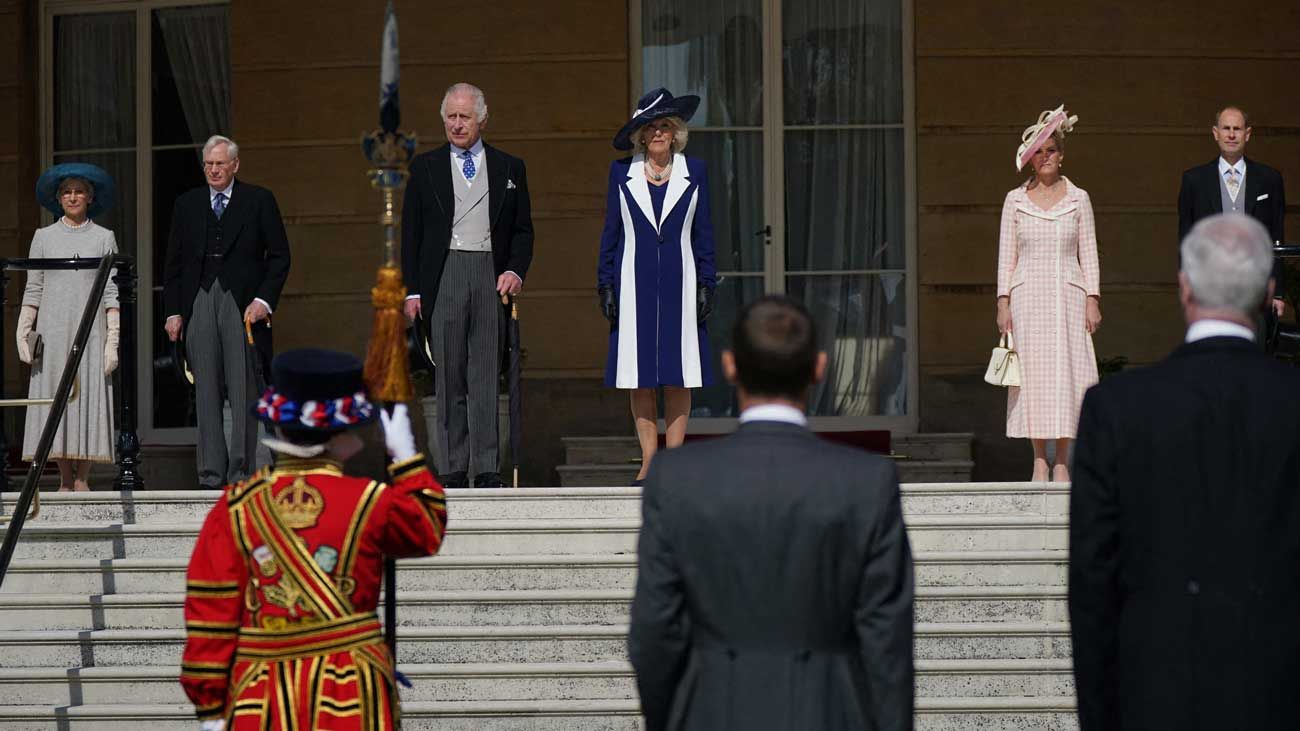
{"type": "Point", "coordinates": [19, 215]}
{"type": "Point", "coordinates": [1145, 79]}
{"type": "Point", "coordinates": [305, 85]}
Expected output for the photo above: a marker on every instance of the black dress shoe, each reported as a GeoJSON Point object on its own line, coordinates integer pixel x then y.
{"type": "Point", "coordinates": [488, 479]}
{"type": "Point", "coordinates": [454, 481]}
{"type": "Point", "coordinates": [636, 483]}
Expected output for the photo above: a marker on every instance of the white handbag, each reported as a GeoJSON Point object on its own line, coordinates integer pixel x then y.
{"type": "Point", "coordinates": [1004, 364]}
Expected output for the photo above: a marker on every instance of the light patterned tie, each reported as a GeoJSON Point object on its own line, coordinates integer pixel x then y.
{"type": "Point", "coordinates": [468, 166]}
{"type": "Point", "coordinates": [1233, 184]}
{"type": "Point", "coordinates": [219, 205]}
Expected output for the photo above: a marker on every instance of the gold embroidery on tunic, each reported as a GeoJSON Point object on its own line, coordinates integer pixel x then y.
{"type": "Point", "coordinates": [300, 506]}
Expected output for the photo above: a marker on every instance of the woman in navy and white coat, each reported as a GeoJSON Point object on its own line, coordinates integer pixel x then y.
{"type": "Point", "coordinates": [656, 275]}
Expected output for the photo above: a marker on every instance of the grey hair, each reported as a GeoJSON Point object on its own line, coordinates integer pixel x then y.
{"type": "Point", "coordinates": [680, 136]}
{"type": "Point", "coordinates": [231, 146]}
{"type": "Point", "coordinates": [1228, 259]}
{"type": "Point", "coordinates": [480, 101]}
{"type": "Point", "coordinates": [63, 184]}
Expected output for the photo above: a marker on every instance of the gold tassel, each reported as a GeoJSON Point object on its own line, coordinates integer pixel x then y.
{"type": "Point", "coordinates": [387, 371]}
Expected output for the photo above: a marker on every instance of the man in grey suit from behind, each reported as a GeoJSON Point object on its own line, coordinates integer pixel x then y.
{"type": "Point", "coordinates": [774, 586]}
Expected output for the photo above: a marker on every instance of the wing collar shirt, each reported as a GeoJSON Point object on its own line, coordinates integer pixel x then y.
{"type": "Point", "coordinates": [774, 412]}
{"type": "Point", "coordinates": [458, 160]}
{"type": "Point", "coordinates": [1202, 329]}
{"type": "Point", "coordinates": [1240, 167]}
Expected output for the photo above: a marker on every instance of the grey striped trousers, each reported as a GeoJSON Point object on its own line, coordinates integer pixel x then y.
{"type": "Point", "coordinates": [465, 336]}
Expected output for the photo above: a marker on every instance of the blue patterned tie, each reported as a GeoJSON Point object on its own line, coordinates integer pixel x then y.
{"type": "Point", "coordinates": [219, 205]}
{"type": "Point", "coordinates": [468, 166]}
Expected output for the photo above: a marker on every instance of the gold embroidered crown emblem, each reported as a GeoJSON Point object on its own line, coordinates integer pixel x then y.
{"type": "Point", "coordinates": [300, 505]}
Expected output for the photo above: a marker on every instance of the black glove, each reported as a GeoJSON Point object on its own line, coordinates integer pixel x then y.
{"type": "Point", "coordinates": [704, 303]}
{"type": "Point", "coordinates": [608, 306]}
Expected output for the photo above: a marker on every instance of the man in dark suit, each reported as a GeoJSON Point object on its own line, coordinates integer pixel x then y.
{"type": "Point", "coordinates": [227, 260]}
{"type": "Point", "coordinates": [1233, 183]}
{"type": "Point", "coordinates": [467, 241]}
{"type": "Point", "coordinates": [1185, 516]}
{"type": "Point", "coordinates": [774, 586]}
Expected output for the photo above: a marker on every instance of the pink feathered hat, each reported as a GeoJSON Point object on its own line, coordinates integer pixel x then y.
{"type": "Point", "coordinates": [1038, 133]}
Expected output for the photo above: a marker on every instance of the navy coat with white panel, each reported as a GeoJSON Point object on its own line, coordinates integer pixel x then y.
{"type": "Point", "coordinates": [655, 267]}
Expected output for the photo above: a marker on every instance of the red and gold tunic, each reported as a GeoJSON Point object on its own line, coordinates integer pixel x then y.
{"type": "Point", "coordinates": [281, 593]}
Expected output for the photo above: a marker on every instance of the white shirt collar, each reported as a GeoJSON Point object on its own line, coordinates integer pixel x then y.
{"type": "Point", "coordinates": [476, 149]}
{"type": "Point", "coordinates": [774, 412]}
{"type": "Point", "coordinates": [1240, 167]}
{"type": "Point", "coordinates": [212, 192]}
{"type": "Point", "coordinates": [1202, 329]}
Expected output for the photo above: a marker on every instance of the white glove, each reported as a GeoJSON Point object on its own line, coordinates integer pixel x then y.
{"type": "Point", "coordinates": [110, 340]}
{"type": "Point", "coordinates": [398, 437]}
{"type": "Point", "coordinates": [26, 321]}
{"type": "Point", "coordinates": [218, 724]}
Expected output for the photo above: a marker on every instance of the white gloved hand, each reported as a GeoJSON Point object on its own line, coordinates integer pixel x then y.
{"type": "Point", "coordinates": [218, 724]}
{"type": "Point", "coordinates": [398, 437]}
{"type": "Point", "coordinates": [26, 321]}
{"type": "Point", "coordinates": [111, 336]}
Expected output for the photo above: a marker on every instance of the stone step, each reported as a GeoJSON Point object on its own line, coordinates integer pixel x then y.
{"type": "Point", "coordinates": [468, 573]}
{"type": "Point", "coordinates": [934, 446]}
{"type": "Point", "coordinates": [191, 506]}
{"type": "Point", "coordinates": [615, 450]}
{"type": "Point", "coordinates": [60, 541]}
{"type": "Point", "coordinates": [932, 714]}
{"type": "Point", "coordinates": [505, 608]}
{"type": "Point", "coordinates": [610, 679]}
{"type": "Point", "coordinates": [185, 506]}
{"type": "Point", "coordinates": [512, 644]}
{"type": "Point", "coordinates": [445, 715]}
{"type": "Point", "coordinates": [936, 470]}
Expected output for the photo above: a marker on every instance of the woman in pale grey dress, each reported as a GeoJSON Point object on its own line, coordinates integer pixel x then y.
{"type": "Point", "coordinates": [52, 307]}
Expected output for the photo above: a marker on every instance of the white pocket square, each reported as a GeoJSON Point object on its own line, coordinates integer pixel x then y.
{"type": "Point", "coordinates": [1262, 197]}
{"type": "Point", "coordinates": [510, 185]}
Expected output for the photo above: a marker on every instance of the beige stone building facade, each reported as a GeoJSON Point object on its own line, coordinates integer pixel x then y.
{"type": "Point", "coordinates": [875, 140]}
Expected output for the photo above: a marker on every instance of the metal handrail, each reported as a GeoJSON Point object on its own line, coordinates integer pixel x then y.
{"type": "Point", "coordinates": [125, 275]}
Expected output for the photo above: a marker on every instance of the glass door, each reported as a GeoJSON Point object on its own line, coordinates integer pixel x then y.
{"type": "Point", "coordinates": [812, 188]}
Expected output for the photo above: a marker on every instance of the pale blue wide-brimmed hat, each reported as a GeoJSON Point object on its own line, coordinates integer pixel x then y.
{"type": "Point", "coordinates": [47, 187]}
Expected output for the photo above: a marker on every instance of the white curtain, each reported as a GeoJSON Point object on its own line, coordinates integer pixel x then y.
{"type": "Point", "coordinates": [842, 65]}
{"type": "Point", "coordinates": [198, 46]}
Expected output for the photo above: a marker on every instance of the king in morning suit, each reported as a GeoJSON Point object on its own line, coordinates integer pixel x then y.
{"type": "Point", "coordinates": [467, 240]}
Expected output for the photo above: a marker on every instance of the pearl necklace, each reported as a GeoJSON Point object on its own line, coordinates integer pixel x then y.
{"type": "Point", "coordinates": [68, 222]}
{"type": "Point", "coordinates": [661, 174]}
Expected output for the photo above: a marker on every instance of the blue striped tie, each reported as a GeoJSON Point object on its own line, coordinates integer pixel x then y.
{"type": "Point", "coordinates": [219, 205]}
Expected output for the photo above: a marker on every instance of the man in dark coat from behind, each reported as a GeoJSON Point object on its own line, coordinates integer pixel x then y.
{"type": "Point", "coordinates": [1185, 516]}
{"type": "Point", "coordinates": [775, 582]}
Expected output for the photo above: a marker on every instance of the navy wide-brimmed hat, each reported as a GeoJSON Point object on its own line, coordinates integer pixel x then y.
{"type": "Point", "coordinates": [47, 187]}
{"type": "Point", "coordinates": [655, 105]}
{"type": "Point", "coordinates": [315, 390]}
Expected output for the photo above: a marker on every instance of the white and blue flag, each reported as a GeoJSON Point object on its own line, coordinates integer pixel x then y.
{"type": "Point", "coordinates": [390, 114]}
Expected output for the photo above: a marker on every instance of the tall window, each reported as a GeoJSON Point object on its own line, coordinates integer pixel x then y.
{"type": "Point", "coordinates": [137, 90]}
{"type": "Point", "coordinates": [805, 125]}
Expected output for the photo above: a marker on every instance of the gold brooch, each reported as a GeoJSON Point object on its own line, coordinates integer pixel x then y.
{"type": "Point", "coordinates": [300, 505]}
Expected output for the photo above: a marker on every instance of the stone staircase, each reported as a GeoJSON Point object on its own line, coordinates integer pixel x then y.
{"type": "Point", "coordinates": [599, 461]}
{"type": "Point", "coordinates": [520, 623]}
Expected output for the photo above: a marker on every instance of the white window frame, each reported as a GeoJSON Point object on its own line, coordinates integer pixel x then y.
{"type": "Point", "coordinates": [143, 193]}
{"type": "Point", "coordinates": [774, 274]}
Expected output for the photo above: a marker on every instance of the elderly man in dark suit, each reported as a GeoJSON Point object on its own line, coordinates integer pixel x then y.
{"type": "Point", "coordinates": [1185, 516]}
{"type": "Point", "coordinates": [227, 260]}
{"type": "Point", "coordinates": [1234, 183]}
{"type": "Point", "coordinates": [467, 240]}
{"type": "Point", "coordinates": [774, 586]}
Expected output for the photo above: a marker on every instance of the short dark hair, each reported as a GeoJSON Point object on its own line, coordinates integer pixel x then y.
{"type": "Point", "coordinates": [774, 343]}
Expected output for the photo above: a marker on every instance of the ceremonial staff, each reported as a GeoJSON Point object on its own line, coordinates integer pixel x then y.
{"type": "Point", "coordinates": [387, 373]}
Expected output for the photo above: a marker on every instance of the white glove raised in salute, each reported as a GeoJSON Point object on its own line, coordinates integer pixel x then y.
{"type": "Point", "coordinates": [398, 437]}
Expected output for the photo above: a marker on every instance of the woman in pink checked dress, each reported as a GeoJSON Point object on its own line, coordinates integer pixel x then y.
{"type": "Point", "coordinates": [1049, 295]}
